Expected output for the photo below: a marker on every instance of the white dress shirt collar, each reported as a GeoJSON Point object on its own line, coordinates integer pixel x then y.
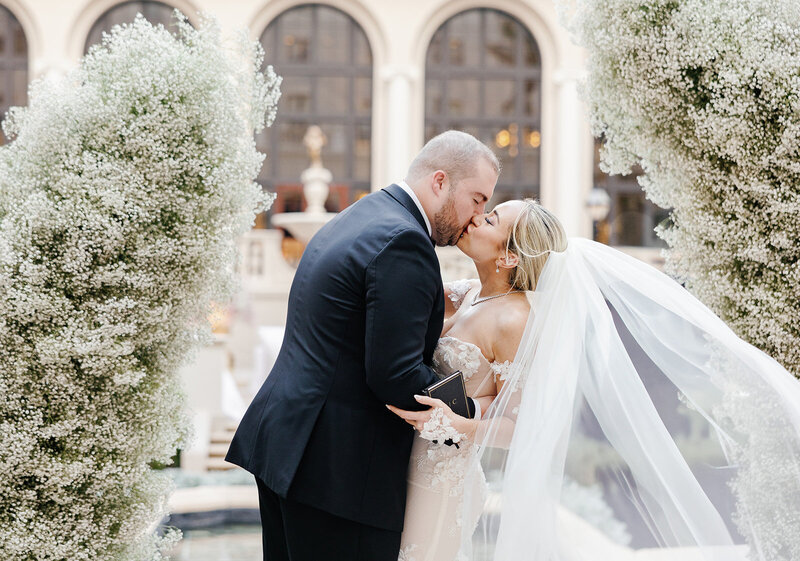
{"type": "Point", "coordinates": [404, 186]}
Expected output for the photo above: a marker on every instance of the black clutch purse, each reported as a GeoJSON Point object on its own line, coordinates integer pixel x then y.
{"type": "Point", "coordinates": [452, 391]}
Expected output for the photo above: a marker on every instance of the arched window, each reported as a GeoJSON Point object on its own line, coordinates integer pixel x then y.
{"type": "Point", "coordinates": [326, 63]}
{"type": "Point", "coordinates": [13, 64]}
{"type": "Point", "coordinates": [631, 217]}
{"type": "Point", "coordinates": [483, 76]}
{"type": "Point", "coordinates": [125, 12]}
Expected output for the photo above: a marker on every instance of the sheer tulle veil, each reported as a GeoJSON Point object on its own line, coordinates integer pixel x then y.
{"type": "Point", "coordinates": [634, 425]}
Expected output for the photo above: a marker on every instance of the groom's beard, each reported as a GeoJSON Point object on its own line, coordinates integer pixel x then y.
{"type": "Point", "coordinates": [446, 229]}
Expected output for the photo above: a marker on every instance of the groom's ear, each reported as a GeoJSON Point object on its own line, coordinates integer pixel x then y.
{"type": "Point", "coordinates": [439, 182]}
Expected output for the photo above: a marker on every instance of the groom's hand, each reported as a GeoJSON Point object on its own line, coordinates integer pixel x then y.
{"type": "Point", "coordinates": [418, 420]}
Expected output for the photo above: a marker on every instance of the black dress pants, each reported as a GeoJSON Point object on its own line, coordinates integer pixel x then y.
{"type": "Point", "coordinates": [292, 531]}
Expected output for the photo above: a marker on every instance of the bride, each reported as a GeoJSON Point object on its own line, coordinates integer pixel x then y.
{"type": "Point", "coordinates": [623, 420]}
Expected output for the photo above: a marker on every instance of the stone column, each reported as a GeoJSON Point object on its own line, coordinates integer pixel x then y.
{"type": "Point", "coordinates": [398, 155]}
{"type": "Point", "coordinates": [574, 156]}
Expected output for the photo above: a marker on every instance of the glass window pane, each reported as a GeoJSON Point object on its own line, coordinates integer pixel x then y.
{"type": "Point", "coordinates": [494, 89]}
{"type": "Point", "coordinates": [154, 12]}
{"type": "Point", "coordinates": [123, 13]}
{"type": "Point", "coordinates": [629, 218]}
{"type": "Point", "coordinates": [263, 146]}
{"type": "Point", "coordinates": [333, 37]}
{"type": "Point", "coordinates": [295, 35]}
{"type": "Point", "coordinates": [463, 43]}
{"type": "Point", "coordinates": [295, 95]}
{"type": "Point", "coordinates": [506, 146]}
{"type": "Point", "coordinates": [531, 50]}
{"type": "Point", "coordinates": [436, 49]}
{"type": "Point", "coordinates": [13, 64]}
{"type": "Point", "coordinates": [363, 96]}
{"type": "Point", "coordinates": [600, 178]}
{"type": "Point", "coordinates": [292, 158]}
{"type": "Point", "coordinates": [326, 64]}
{"type": "Point", "coordinates": [20, 81]}
{"type": "Point", "coordinates": [531, 98]}
{"type": "Point", "coordinates": [335, 154]}
{"type": "Point", "coordinates": [501, 39]}
{"type": "Point", "coordinates": [363, 52]}
{"type": "Point", "coordinates": [530, 143]}
{"type": "Point", "coordinates": [333, 96]}
{"type": "Point", "coordinates": [20, 44]}
{"type": "Point", "coordinates": [362, 152]}
{"type": "Point", "coordinates": [432, 130]}
{"type": "Point", "coordinates": [500, 99]}
{"type": "Point", "coordinates": [462, 97]}
{"type": "Point", "coordinates": [434, 105]}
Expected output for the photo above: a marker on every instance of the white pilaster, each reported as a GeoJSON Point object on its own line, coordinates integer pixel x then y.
{"type": "Point", "coordinates": [574, 157]}
{"type": "Point", "coordinates": [398, 155]}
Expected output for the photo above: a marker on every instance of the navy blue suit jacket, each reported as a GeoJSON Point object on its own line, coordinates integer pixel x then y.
{"type": "Point", "coordinates": [365, 313]}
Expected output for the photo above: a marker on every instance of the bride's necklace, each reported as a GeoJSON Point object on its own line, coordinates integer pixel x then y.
{"type": "Point", "coordinates": [476, 300]}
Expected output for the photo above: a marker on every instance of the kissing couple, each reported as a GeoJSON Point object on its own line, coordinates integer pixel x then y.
{"type": "Point", "coordinates": [609, 414]}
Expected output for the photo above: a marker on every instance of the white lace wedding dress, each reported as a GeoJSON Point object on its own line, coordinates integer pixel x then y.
{"type": "Point", "coordinates": [436, 472]}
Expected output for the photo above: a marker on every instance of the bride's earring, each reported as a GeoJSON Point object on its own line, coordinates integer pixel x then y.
{"type": "Point", "coordinates": [498, 269]}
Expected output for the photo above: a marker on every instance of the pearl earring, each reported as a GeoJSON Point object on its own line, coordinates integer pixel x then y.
{"type": "Point", "coordinates": [498, 269]}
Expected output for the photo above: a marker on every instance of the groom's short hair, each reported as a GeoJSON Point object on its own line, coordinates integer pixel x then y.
{"type": "Point", "coordinates": [454, 152]}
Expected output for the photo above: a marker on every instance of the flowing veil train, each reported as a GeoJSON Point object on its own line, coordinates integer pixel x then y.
{"type": "Point", "coordinates": [635, 425]}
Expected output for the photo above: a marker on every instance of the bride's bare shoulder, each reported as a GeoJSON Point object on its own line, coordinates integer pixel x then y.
{"type": "Point", "coordinates": [510, 325]}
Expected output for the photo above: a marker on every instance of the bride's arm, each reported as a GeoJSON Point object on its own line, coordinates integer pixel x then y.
{"type": "Point", "coordinates": [496, 428]}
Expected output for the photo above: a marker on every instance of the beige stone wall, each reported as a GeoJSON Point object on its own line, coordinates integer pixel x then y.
{"type": "Point", "coordinates": [399, 33]}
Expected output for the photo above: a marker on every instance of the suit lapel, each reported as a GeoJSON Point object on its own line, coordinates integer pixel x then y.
{"type": "Point", "coordinates": [397, 193]}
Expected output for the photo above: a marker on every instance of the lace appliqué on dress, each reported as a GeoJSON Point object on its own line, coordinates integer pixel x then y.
{"type": "Point", "coordinates": [452, 354]}
{"type": "Point", "coordinates": [405, 553]}
{"type": "Point", "coordinates": [445, 467]}
{"type": "Point", "coordinates": [501, 370]}
{"type": "Point", "coordinates": [440, 428]}
{"type": "Point", "coordinates": [459, 289]}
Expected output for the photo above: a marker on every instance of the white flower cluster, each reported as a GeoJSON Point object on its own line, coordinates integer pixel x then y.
{"type": "Point", "coordinates": [705, 96]}
{"type": "Point", "coordinates": [121, 199]}
{"type": "Point", "coordinates": [439, 428]}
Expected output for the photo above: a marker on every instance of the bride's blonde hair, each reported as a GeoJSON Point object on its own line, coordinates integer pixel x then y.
{"type": "Point", "coordinates": [535, 233]}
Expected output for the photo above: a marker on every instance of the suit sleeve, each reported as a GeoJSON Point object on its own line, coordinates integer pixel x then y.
{"type": "Point", "coordinates": [402, 284]}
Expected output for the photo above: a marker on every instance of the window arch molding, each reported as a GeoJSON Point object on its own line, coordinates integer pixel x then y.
{"type": "Point", "coordinates": [95, 9]}
{"type": "Point", "coordinates": [540, 27]}
{"type": "Point", "coordinates": [33, 36]}
{"type": "Point", "coordinates": [16, 63]}
{"type": "Point", "coordinates": [378, 44]}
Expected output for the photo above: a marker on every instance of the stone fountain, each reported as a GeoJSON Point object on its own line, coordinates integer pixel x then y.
{"type": "Point", "coordinates": [316, 185]}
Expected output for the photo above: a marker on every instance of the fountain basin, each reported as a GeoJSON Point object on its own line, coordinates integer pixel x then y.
{"type": "Point", "coordinates": [302, 225]}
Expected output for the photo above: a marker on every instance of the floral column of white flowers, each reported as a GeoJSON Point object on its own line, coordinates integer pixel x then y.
{"type": "Point", "coordinates": [121, 199]}
{"type": "Point", "coordinates": [705, 96]}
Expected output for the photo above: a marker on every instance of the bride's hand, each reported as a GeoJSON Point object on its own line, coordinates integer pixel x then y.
{"type": "Point", "coordinates": [439, 415]}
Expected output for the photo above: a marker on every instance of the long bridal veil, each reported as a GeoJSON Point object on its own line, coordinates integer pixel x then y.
{"type": "Point", "coordinates": [634, 425]}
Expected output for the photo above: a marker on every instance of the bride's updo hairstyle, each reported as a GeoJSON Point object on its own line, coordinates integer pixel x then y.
{"type": "Point", "coordinates": [535, 232]}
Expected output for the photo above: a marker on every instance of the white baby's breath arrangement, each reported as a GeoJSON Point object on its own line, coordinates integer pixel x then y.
{"type": "Point", "coordinates": [121, 199]}
{"type": "Point", "coordinates": [705, 96]}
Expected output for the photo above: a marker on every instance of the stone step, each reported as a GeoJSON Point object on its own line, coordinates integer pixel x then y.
{"type": "Point", "coordinates": [218, 449]}
{"type": "Point", "coordinates": [221, 436]}
{"type": "Point", "coordinates": [218, 464]}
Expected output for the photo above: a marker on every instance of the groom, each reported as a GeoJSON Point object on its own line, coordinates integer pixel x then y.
{"type": "Point", "coordinates": [365, 313]}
